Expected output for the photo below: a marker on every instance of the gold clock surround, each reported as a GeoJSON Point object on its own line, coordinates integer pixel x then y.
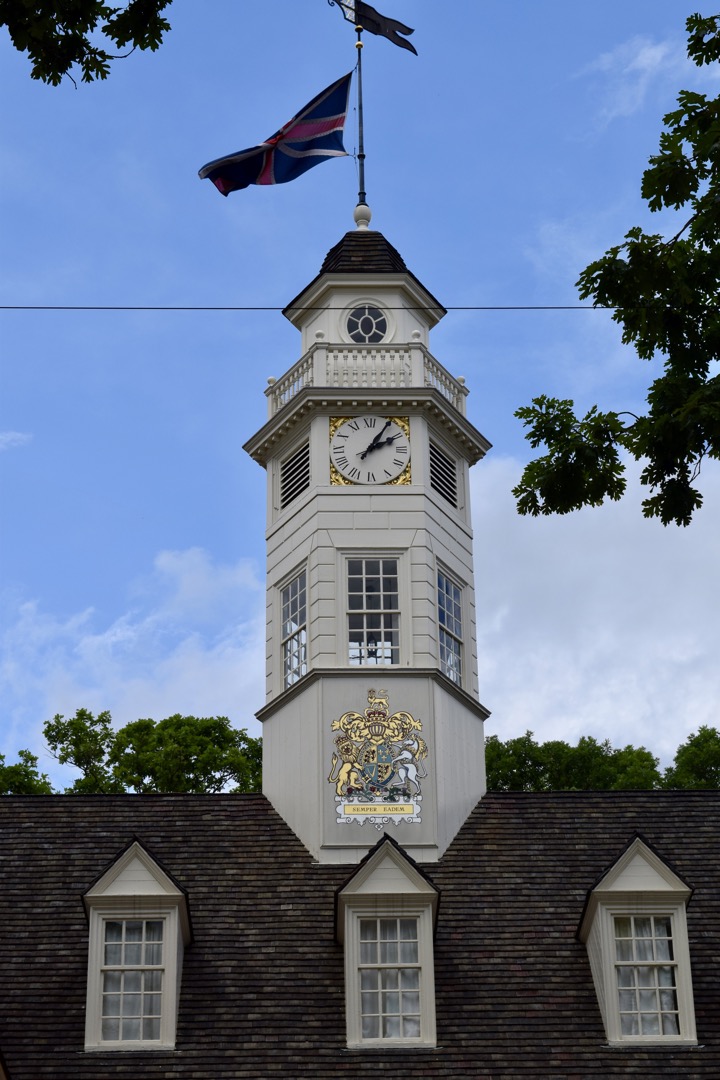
{"type": "Point", "coordinates": [336, 477]}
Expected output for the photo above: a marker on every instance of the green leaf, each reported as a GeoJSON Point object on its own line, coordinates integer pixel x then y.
{"type": "Point", "coordinates": [665, 295]}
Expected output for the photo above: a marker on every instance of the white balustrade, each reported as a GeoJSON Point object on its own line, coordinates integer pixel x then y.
{"type": "Point", "coordinates": [362, 367]}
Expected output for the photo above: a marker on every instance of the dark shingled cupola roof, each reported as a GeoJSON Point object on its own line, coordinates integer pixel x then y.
{"type": "Point", "coordinates": [366, 251]}
{"type": "Point", "coordinates": [363, 252]}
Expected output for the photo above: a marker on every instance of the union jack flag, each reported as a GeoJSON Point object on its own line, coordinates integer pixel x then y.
{"type": "Point", "coordinates": [314, 135]}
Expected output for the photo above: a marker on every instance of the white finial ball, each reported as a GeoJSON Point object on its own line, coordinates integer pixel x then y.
{"type": "Point", "coordinates": [362, 215]}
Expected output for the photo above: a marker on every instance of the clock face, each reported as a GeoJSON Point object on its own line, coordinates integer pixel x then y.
{"type": "Point", "coordinates": [370, 449]}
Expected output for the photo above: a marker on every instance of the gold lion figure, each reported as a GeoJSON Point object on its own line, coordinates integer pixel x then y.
{"type": "Point", "coordinates": [348, 774]}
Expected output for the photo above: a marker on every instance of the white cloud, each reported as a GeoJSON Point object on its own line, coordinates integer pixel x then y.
{"type": "Point", "coordinates": [630, 73]}
{"type": "Point", "coordinates": [10, 439]}
{"type": "Point", "coordinates": [631, 70]}
{"type": "Point", "coordinates": [598, 623]}
{"type": "Point", "coordinates": [194, 643]}
{"type": "Point", "coordinates": [560, 248]}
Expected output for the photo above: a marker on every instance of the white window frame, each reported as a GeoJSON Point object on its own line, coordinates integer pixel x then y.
{"type": "Point", "coordinates": [639, 884]}
{"type": "Point", "coordinates": [302, 629]}
{"type": "Point", "coordinates": [681, 962]}
{"type": "Point", "coordinates": [370, 301]}
{"type": "Point", "coordinates": [135, 888]}
{"type": "Point", "coordinates": [389, 907]}
{"type": "Point", "coordinates": [364, 554]}
{"type": "Point", "coordinates": [443, 629]}
{"type": "Point", "coordinates": [119, 912]}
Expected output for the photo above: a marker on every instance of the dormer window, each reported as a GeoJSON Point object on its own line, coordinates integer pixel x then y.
{"type": "Point", "coordinates": [386, 914]}
{"type": "Point", "coordinates": [139, 926]}
{"type": "Point", "coordinates": [367, 325]}
{"type": "Point", "coordinates": [635, 930]}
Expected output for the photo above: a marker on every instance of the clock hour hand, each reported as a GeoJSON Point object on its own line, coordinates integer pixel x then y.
{"type": "Point", "coordinates": [376, 441]}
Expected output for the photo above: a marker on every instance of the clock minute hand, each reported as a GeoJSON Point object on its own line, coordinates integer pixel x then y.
{"type": "Point", "coordinates": [376, 441]}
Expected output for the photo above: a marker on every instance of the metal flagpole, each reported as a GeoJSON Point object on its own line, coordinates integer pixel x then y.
{"type": "Point", "coordinates": [361, 132]}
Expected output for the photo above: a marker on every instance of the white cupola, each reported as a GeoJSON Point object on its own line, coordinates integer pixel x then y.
{"type": "Point", "coordinates": [372, 719]}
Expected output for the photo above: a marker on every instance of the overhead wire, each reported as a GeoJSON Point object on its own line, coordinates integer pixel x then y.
{"type": "Point", "coordinates": [273, 307]}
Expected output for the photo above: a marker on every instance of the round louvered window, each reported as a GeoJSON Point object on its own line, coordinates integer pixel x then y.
{"type": "Point", "coordinates": [367, 325]}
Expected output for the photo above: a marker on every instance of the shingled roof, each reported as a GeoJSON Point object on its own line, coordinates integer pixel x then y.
{"type": "Point", "coordinates": [366, 251]}
{"type": "Point", "coordinates": [262, 986]}
{"type": "Point", "coordinates": [363, 251]}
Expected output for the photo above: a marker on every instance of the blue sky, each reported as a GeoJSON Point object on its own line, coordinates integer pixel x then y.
{"type": "Point", "coordinates": [500, 161]}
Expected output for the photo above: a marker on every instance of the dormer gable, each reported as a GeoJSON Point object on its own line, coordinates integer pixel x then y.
{"type": "Point", "coordinates": [388, 871]}
{"type": "Point", "coordinates": [639, 873]}
{"type": "Point", "coordinates": [135, 873]}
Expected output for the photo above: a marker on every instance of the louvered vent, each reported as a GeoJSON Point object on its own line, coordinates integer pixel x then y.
{"type": "Point", "coordinates": [294, 475]}
{"type": "Point", "coordinates": [443, 475]}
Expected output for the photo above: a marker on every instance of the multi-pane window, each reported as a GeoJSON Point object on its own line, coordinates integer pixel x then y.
{"type": "Point", "coordinates": [646, 975]}
{"type": "Point", "coordinates": [373, 611]}
{"type": "Point", "coordinates": [450, 627]}
{"type": "Point", "coordinates": [132, 980]}
{"type": "Point", "coordinates": [390, 979]}
{"type": "Point", "coordinates": [294, 629]}
{"type": "Point", "coordinates": [635, 929]}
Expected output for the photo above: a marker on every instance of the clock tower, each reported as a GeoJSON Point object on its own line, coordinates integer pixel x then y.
{"type": "Point", "coordinates": [372, 720]}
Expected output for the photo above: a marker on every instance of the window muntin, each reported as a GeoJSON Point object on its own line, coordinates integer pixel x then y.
{"type": "Point", "coordinates": [450, 627]}
{"type": "Point", "coordinates": [132, 974]}
{"type": "Point", "coordinates": [646, 975]}
{"type": "Point", "coordinates": [389, 975]}
{"type": "Point", "coordinates": [367, 325]}
{"type": "Point", "coordinates": [293, 600]}
{"type": "Point", "coordinates": [373, 611]}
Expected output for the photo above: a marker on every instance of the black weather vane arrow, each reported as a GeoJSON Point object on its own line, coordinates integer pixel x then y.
{"type": "Point", "coordinates": [362, 15]}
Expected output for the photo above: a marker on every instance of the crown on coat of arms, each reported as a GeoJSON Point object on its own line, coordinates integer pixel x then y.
{"type": "Point", "coordinates": [376, 713]}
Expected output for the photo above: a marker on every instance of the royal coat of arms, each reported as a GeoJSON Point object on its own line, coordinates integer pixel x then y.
{"type": "Point", "coordinates": [378, 764]}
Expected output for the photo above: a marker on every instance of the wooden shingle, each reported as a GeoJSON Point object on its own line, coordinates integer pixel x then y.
{"type": "Point", "coordinates": [263, 988]}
